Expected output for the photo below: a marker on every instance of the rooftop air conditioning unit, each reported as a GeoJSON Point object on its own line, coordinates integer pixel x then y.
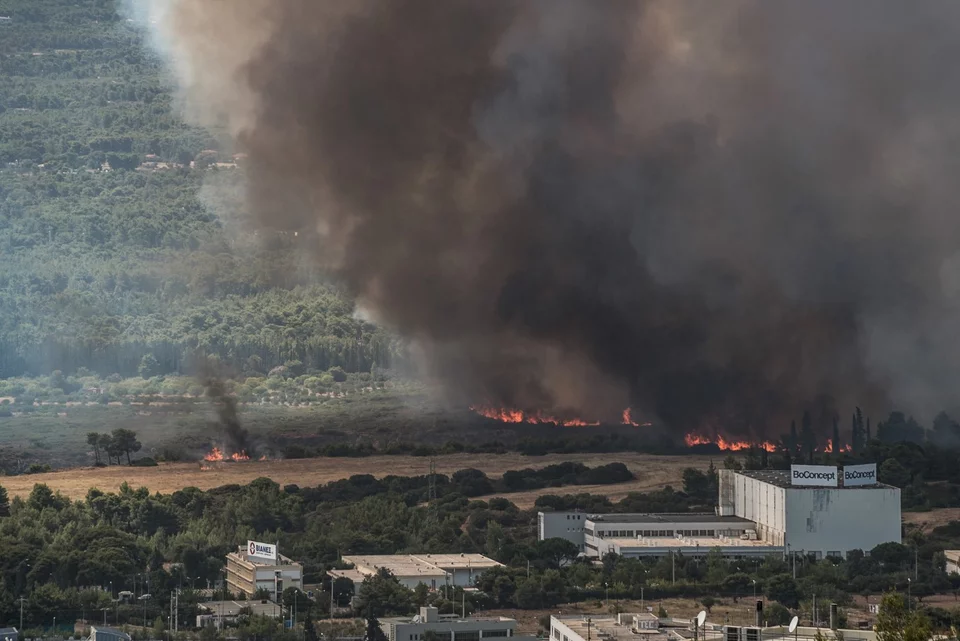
{"type": "Point", "coordinates": [750, 634]}
{"type": "Point", "coordinates": [731, 633]}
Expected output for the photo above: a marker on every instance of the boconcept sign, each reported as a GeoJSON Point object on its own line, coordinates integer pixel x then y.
{"type": "Point", "coordinates": [826, 476]}
{"type": "Point", "coordinates": [262, 550]}
{"type": "Point", "coordinates": [854, 475]}
{"type": "Point", "coordinates": [819, 475]}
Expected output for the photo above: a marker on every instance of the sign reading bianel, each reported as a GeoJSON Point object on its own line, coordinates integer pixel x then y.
{"type": "Point", "coordinates": [854, 475]}
{"type": "Point", "coordinates": [262, 551]}
{"type": "Point", "coordinates": [818, 475]}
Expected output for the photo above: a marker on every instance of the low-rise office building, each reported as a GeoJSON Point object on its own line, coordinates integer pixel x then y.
{"type": "Point", "coordinates": [433, 570]}
{"type": "Point", "coordinates": [219, 613]}
{"type": "Point", "coordinates": [449, 627]}
{"type": "Point", "coordinates": [247, 573]}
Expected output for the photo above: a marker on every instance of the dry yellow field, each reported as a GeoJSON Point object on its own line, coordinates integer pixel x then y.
{"type": "Point", "coordinates": [651, 471]}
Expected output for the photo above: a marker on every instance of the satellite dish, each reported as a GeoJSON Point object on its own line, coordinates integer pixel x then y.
{"type": "Point", "coordinates": [793, 624]}
{"type": "Point", "coordinates": [701, 618]}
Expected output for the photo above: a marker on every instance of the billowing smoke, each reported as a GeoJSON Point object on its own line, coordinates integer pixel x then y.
{"type": "Point", "coordinates": [235, 435]}
{"type": "Point", "coordinates": [718, 213]}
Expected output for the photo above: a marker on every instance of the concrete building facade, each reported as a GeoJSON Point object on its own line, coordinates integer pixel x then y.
{"type": "Point", "coordinates": [246, 574]}
{"type": "Point", "coordinates": [562, 525]}
{"type": "Point", "coordinates": [449, 628]}
{"type": "Point", "coordinates": [433, 570]}
{"type": "Point", "coordinates": [823, 521]}
{"type": "Point", "coordinates": [758, 513]}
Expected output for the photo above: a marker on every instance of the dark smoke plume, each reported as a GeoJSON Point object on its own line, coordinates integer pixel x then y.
{"type": "Point", "coordinates": [235, 435]}
{"type": "Point", "coordinates": [721, 214]}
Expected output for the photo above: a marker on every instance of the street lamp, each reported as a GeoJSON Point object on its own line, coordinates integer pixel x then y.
{"type": "Point", "coordinates": [145, 598]}
{"type": "Point", "coordinates": [909, 594]}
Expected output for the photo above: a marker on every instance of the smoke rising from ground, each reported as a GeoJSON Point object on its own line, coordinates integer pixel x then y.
{"type": "Point", "coordinates": [720, 214]}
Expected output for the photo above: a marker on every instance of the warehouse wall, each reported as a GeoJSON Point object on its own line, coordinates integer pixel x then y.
{"type": "Point", "coordinates": [839, 520]}
{"type": "Point", "coordinates": [762, 503]}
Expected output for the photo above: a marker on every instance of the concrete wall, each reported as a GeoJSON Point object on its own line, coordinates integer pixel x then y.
{"type": "Point", "coordinates": [831, 520]}
{"type": "Point", "coordinates": [762, 503]}
{"type": "Point", "coordinates": [290, 575]}
{"type": "Point", "coordinates": [464, 577]}
{"type": "Point", "coordinates": [562, 525]}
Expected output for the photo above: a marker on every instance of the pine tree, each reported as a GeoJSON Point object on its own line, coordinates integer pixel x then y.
{"type": "Point", "coordinates": [794, 439]}
{"type": "Point", "coordinates": [868, 430]}
{"type": "Point", "coordinates": [807, 438]}
{"type": "Point", "coordinates": [854, 434]}
{"type": "Point", "coordinates": [862, 436]}
{"type": "Point", "coordinates": [309, 630]}
{"type": "Point", "coordinates": [836, 435]}
{"type": "Point", "coordinates": [374, 632]}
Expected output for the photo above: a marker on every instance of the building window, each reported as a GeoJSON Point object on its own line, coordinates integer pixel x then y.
{"type": "Point", "coordinates": [473, 635]}
{"type": "Point", "coordinates": [494, 633]}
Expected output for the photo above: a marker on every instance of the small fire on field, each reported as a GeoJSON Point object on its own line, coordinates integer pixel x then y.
{"type": "Point", "coordinates": [216, 455]}
{"type": "Point", "coordinates": [506, 415]}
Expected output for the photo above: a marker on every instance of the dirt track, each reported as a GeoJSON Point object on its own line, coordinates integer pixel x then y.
{"type": "Point", "coordinates": [651, 472]}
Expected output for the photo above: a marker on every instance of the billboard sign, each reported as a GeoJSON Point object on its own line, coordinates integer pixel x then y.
{"type": "Point", "coordinates": [262, 551]}
{"type": "Point", "coordinates": [854, 475]}
{"type": "Point", "coordinates": [818, 475]}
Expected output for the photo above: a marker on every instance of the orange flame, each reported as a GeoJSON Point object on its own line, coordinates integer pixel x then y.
{"type": "Point", "coordinates": [216, 454]}
{"type": "Point", "coordinates": [628, 419]}
{"type": "Point", "coordinates": [519, 416]}
{"type": "Point", "coordinates": [828, 448]}
{"type": "Point", "coordinates": [264, 458]}
{"type": "Point", "coordinates": [722, 443]}
{"type": "Point", "coordinates": [239, 456]}
{"type": "Point", "coordinates": [506, 415]}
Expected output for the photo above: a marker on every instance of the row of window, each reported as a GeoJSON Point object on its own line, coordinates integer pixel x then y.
{"type": "Point", "coordinates": [555, 634]}
{"type": "Point", "coordinates": [575, 517]}
{"type": "Point", "coordinates": [648, 533]}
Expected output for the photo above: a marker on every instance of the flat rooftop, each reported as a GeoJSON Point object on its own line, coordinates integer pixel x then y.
{"type": "Point", "coordinates": [781, 478]}
{"type": "Point", "coordinates": [445, 618]}
{"type": "Point", "coordinates": [400, 565]}
{"type": "Point", "coordinates": [664, 519]}
{"type": "Point", "coordinates": [458, 561]}
{"type": "Point", "coordinates": [607, 627]}
{"type": "Point", "coordinates": [434, 565]}
{"type": "Point", "coordinates": [354, 575]}
{"type": "Point", "coordinates": [281, 560]}
{"type": "Point", "coordinates": [705, 542]}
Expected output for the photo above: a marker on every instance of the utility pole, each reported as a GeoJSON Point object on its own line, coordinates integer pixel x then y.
{"type": "Point", "coordinates": [21, 614]}
{"type": "Point", "coordinates": [673, 566]}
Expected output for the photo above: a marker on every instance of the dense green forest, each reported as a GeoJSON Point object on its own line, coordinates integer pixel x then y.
{"type": "Point", "coordinates": [67, 558]}
{"type": "Point", "coordinates": [121, 226]}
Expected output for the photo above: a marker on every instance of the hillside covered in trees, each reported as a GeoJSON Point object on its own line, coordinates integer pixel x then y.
{"type": "Point", "coordinates": [121, 226]}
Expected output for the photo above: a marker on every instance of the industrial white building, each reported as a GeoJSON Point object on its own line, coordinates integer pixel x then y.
{"type": "Point", "coordinates": [758, 513]}
{"type": "Point", "coordinates": [433, 570]}
{"type": "Point", "coordinates": [818, 520]}
{"type": "Point", "coordinates": [449, 627]}
{"type": "Point", "coordinates": [247, 573]}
